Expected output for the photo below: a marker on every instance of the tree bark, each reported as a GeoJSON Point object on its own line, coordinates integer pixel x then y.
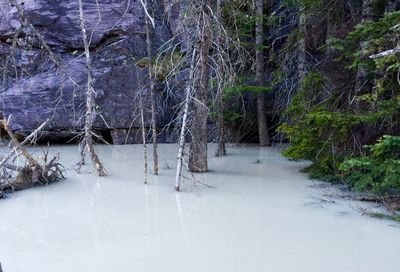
{"type": "Point", "coordinates": [263, 133]}
{"type": "Point", "coordinates": [198, 146]}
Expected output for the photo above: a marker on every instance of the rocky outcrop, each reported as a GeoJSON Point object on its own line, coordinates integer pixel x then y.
{"type": "Point", "coordinates": [33, 88]}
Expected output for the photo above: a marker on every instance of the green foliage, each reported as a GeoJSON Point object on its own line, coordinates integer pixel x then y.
{"type": "Point", "coordinates": [318, 137]}
{"type": "Point", "coordinates": [377, 36]}
{"type": "Point", "coordinates": [321, 129]}
{"type": "Point", "coordinates": [379, 171]}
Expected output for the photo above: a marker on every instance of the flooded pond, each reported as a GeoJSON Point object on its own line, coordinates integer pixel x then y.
{"type": "Point", "coordinates": [260, 215]}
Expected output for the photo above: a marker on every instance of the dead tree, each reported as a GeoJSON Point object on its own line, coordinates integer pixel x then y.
{"type": "Point", "coordinates": [260, 74]}
{"type": "Point", "coordinates": [188, 98]}
{"type": "Point", "coordinates": [301, 54]}
{"type": "Point", "coordinates": [221, 148]}
{"type": "Point", "coordinates": [196, 53]}
{"type": "Point", "coordinates": [149, 22]}
{"type": "Point", "coordinates": [198, 146]}
{"type": "Point", "coordinates": [87, 142]}
{"type": "Point", "coordinates": [143, 128]}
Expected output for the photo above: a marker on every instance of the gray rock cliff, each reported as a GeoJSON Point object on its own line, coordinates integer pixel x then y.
{"type": "Point", "coordinates": [33, 88]}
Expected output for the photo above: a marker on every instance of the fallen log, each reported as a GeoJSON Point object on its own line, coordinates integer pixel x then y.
{"type": "Point", "coordinates": [39, 171]}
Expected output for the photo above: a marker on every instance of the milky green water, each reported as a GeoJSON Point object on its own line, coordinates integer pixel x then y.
{"type": "Point", "coordinates": [260, 217]}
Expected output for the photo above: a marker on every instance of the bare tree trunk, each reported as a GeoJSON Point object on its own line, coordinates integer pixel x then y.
{"type": "Point", "coordinates": [152, 94]}
{"type": "Point", "coordinates": [143, 137]}
{"type": "Point", "coordinates": [188, 98]}
{"type": "Point", "coordinates": [221, 149]}
{"type": "Point", "coordinates": [301, 61]}
{"type": "Point", "coordinates": [87, 142]}
{"type": "Point", "coordinates": [260, 73]}
{"type": "Point", "coordinates": [198, 147]}
{"type": "Point", "coordinates": [363, 84]}
{"type": "Point", "coordinates": [333, 15]}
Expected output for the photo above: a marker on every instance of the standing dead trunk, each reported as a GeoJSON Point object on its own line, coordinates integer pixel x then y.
{"type": "Point", "coordinates": [260, 74]}
{"type": "Point", "coordinates": [301, 56]}
{"type": "Point", "coordinates": [87, 142]}
{"type": "Point", "coordinates": [188, 98]}
{"type": "Point", "coordinates": [363, 82]}
{"type": "Point", "coordinates": [198, 147]}
{"type": "Point", "coordinates": [221, 149]}
{"type": "Point", "coordinates": [143, 128]}
{"type": "Point", "coordinates": [152, 92]}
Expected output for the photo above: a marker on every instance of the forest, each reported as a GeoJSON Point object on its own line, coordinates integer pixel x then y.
{"type": "Point", "coordinates": [191, 86]}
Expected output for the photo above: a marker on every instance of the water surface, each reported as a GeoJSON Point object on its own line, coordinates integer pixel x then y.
{"type": "Point", "coordinates": [261, 215]}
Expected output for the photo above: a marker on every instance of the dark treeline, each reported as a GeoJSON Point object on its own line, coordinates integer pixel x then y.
{"type": "Point", "coordinates": [343, 111]}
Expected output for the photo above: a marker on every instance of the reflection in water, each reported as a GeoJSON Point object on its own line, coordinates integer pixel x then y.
{"type": "Point", "coordinates": [183, 227]}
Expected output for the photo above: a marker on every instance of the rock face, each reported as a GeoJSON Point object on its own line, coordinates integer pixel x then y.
{"type": "Point", "coordinates": [34, 88]}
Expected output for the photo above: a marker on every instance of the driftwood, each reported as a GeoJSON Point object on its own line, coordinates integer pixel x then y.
{"type": "Point", "coordinates": [37, 171]}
